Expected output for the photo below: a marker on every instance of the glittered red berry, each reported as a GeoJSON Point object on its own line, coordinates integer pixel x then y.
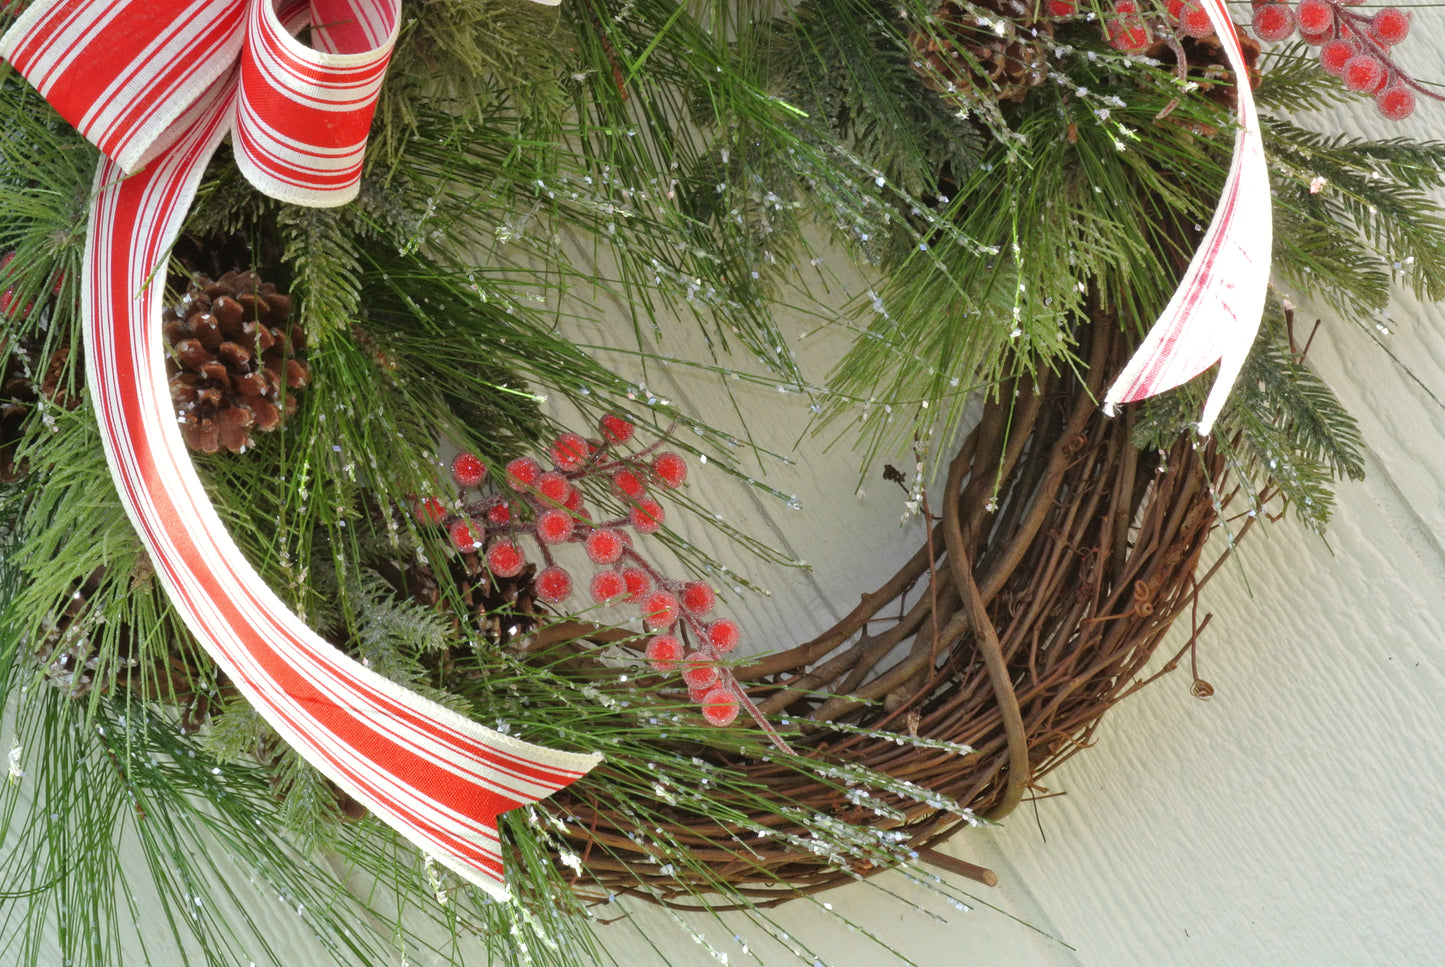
{"type": "Point", "coordinates": [720, 706]}
{"type": "Point", "coordinates": [499, 513]}
{"type": "Point", "coordinates": [553, 584]}
{"type": "Point", "coordinates": [699, 671]}
{"type": "Point", "coordinates": [554, 526]}
{"type": "Point", "coordinates": [1390, 25]}
{"type": "Point", "coordinates": [429, 510]}
{"type": "Point", "coordinates": [638, 583]}
{"type": "Point", "coordinates": [723, 635]}
{"type": "Point", "coordinates": [468, 470]}
{"type": "Point", "coordinates": [1316, 40]}
{"type": "Point", "coordinates": [607, 587]}
{"type": "Point", "coordinates": [574, 498]}
{"type": "Point", "coordinates": [505, 559]}
{"type": "Point", "coordinates": [627, 484]}
{"type": "Point", "coordinates": [1194, 22]}
{"type": "Point", "coordinates": [1315, 16]}
{"type": "Point", "coordinates": [523, 472]}
{"type": "Point", "coordinates": [604, 546]}
{"type": "Point", "coordinates": [1062, 8]}
{"type": "Point", "coordinates": [670, 468]}
{"type": "Point", "coordinates": [1128, 36]}
{"type": "Point", "coordinates": [698, 598]}
{"type": "Point", "coordinates": [1363, 73]}
{"type": "Point", "coordinates": [1125, 29]}
{"type": "Point", "coordinates": [659, 610]}
{"type": "Point", "coordinates": [1273, 21]}
{"type": "Point", "coordinates": [570, 451]}
{"type": "Point", "coordinates": [616, 429]}
{"type": "Point", "coordinates": [665, 652]}
{"type": "Point", "coordinates": [1396, 102]}
{"type": "Point", "coordinates": [553, 486]}
{"type": "Point", "coordinates": [646, 516]}
{"type": "Point", "coordinates": [463, 535]}
{"type": "Point", "coordinates": [1334, 55]}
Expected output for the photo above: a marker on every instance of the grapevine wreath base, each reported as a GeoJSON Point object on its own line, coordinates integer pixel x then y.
{"type": "Point", "coordinates": [1060, 557]}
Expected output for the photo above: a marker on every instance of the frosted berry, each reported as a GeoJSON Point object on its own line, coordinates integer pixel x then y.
{"type": "Point", "coordinates": [604, 545]}
{"type": "Point", "coordinates": [665, 652]}
{"type": "Point", "coordinates": [553, 584]}
{"type": "Point", "coordinates": [468, 470]}
{"type": "Point", "coordinates": [1390, 25]}
{"type": "Point", "coordinates": [720, 706]}
{"type": "Point", "coordinates": [670, 468]}
{"type": "Point", "coordinates": [607, 587]}
{"type": "Point", "coordinates": [699, 671]}
{"type": "Point", "coordinates": [1396, 102]}
{"type": "Point", "coordinates": [499, 513]}
{"type": "Point", "coordinates": [638, 583]}
{"type": "Point", "coordinates": [553, 486]}
{"type": "Point", "coordinates": [1062, 8]}
{"type": "Point", "coordinates": [659, 610]}
{"type": "Point", "coordinates": [523, 472]}
{"type": "Point", "coordinates": [1315, 16]}
{"type": "Point", "coordinates": [574, 499]}
{"type": "Point", "coordinates": [429, 510]}
{"type": "Point", "coordinates": [616, 429]}
{"type": "Point", "coordinates": [1273, 21]}
{"type": "Point", "coordinates": [723, 635]}
{"type": "Point", "coordinates": [1315, 40]}
{"type": "Point", "coordinates": [463, 535]}
{"type": "Point", "coordinates": [554, 526]}
{"type": "Point", "coordinates": [698, 598]}
{"type": "Point", "coordinates": [1363, 73]}
{"type": "Point", "coordinates": [505, 560]}
{"type": "Point", "coordinates": [646, 516]}
{"type": "Point", "coordinates": [1126, 31]}
{"type": "Point", "coordinates": [570, 451]}
{"type": "Point", "coordinates": [1194, 22]}
{"type": "Point", "coordinates": [627, 484]}
{"type": "Point", "coordinates": [1335, 54]}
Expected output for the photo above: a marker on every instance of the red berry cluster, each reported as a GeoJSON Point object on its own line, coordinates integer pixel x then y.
{"type": "Point", "coordinates": [1129, 31]}
{"type": "Point", "coordinates": [1354, 46]}
{"type": "Point", "coordinates": [547, 508]}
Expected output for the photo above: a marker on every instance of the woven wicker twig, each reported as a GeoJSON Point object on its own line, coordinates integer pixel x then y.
{"type": "Point", "coordinates": [1061, 558]}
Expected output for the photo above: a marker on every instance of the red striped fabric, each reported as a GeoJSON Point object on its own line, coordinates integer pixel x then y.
{"type": "Point", "coordinates": [433, 774]}
{"type": "Point", "coordinates": [1214, 315]}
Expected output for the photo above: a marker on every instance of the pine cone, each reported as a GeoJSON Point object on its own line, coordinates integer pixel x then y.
{"type": "Point", "coordinates": [18, 393]}
{"type": "Point", "coordinates": [234, 366]}
{"type": "Point", "coordinates": [966, 59]}
{"type": "Point", "coordinates": [504, 608]}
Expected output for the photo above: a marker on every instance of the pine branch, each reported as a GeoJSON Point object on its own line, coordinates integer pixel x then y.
{"type": "Point", "coordinates": [1383, 189]}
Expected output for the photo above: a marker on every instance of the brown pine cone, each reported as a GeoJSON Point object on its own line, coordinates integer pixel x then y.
{"type": "Point", "coordinates": [234, 366]}
{"type": "Point", "coordinates": [967, 59]}
{"type": "Point", "coordinates": [20, 391]}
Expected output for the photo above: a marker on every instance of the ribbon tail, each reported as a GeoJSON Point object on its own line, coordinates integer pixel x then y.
{"type": "Point", "coordinates": [432, 774]}
{"type": "Point", "coordinates": [1214, 314]}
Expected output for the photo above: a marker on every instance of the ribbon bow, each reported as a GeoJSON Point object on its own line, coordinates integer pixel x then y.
{"type": "Point", "coordinates": [1214, 314]}
{"type": "Point", "coordinates": [156, 85]}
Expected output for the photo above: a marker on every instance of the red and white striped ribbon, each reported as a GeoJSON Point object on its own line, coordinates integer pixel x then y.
{"type": "Point", "coordinates": [1214, 314]}
{"type": "Point", "coordinates": [299, 118]}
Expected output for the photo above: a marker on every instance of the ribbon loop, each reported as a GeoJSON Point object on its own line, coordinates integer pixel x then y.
{"type": "Point", "coordinates": [303, 113]}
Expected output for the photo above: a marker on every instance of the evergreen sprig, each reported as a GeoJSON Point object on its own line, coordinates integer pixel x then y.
{"type": "Point", "coordinates": [1384, 190]}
